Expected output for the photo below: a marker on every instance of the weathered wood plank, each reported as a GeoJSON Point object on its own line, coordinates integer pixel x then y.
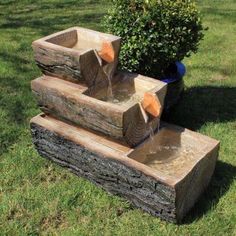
{"type": "Point", "coordinates": [72, 54]}
{"type": "Point", "coordinates": [123, 121]}
{"type": "Point", "coordinates": [114, 168]}
{"type": "Point", "coordinates": [60, 98]}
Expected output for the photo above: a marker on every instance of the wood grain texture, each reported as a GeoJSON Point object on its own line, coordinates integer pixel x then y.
{"type": "Point", "coordinates": [107, 164]}
{"type": "Point", "coordinates": [124, 122]}
{"type": "Point", "coordinates": [72, 54]}
{"type": "Point", "coordinates": [58, 97]}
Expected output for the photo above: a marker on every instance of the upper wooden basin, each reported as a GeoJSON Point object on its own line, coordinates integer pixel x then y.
{"type": "Point", "coordinates": [75, 54]}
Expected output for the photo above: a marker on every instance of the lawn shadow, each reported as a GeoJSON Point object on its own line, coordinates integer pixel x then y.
{"type": "Point", "coordinates": [56, 22]}
{"type": "Point", "coordinates": [12, 105]}
{"type": "Point", "coordinates": [36, 16]}
{"type": "Point", "coordinates": [217, 13]}
{"type": "Point", "coordinates": [221, 181]}
{"type": "Point", "coordinates": [203, 104]}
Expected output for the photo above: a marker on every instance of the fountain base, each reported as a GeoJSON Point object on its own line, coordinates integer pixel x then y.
{"type": "Point", "coordinates": [166, 183]}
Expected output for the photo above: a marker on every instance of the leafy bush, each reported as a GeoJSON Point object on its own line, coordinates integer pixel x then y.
{"type": "Point", "coordinates": [155, 33]}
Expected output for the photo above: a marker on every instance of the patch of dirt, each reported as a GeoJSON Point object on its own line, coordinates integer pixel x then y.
{"type": "Point", "coordinates": [218, 78]}
{"type": "Point", "coordinates": [55, 221]}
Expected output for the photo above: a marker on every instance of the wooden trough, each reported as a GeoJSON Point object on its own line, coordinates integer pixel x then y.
{"type": "Point", "coordinates": [121, 118]}
{"type": "Point", "coordinates": [97, 122]}
{"type": "Point", "coordinates": [77, 54]}
{"type": "Point", "coordinates": [165, 184]}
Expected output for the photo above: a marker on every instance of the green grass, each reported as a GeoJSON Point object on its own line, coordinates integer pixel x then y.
{"type": "Point", "coordinates": [38, 197]}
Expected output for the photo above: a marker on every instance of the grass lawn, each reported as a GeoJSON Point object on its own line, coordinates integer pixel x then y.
{"type": "Point", "coordinates": [38, 197]}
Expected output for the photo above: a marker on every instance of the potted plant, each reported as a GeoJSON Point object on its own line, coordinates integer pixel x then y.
{"type": "Point", "coordinates": [156, 36]}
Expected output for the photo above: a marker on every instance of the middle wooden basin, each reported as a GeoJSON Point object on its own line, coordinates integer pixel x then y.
{"type": "Point", "coordinates": [121, 117]}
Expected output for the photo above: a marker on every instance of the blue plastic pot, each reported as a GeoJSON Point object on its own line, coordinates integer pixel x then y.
{"type": "Point", "coordinates": [175, 87]}
{"type": "Point", "coordinates": [178, 75]}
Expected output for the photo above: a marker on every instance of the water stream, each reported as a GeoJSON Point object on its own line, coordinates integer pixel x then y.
{"type": "Point", "coordinates": [152, 141]}
{"type": "Point", "coordinates": [153, 147]}
{"type": "Point", "coordinates": [120, 92]}
{"type": "Point", "coordinates": [109, 70]}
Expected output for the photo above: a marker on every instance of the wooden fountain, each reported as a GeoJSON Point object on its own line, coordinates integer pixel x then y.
{"type": "Point", "coordinates": [105, 138]}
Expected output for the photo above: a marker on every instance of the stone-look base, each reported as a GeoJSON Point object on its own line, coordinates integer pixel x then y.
{"type": "Point", "coordinates": [168, 194]}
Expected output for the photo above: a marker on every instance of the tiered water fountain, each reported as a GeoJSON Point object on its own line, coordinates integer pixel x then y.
{"type": "Point", "coordinates": [103, 124]}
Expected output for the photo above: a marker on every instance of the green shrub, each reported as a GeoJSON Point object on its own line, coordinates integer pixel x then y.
{"type": "Point", "coordinates": [155, 33]}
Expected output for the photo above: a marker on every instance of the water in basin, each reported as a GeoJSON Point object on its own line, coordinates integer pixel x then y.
{"type": "Point", "coordinates": [166, 151]}
{"type": "Point", "coordinates": [120, 96]}
{"type": "Point", "coordinates": [119, 91]}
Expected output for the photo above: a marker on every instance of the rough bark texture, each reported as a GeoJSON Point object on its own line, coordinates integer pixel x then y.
{"type": "Point", "coordinates": [167, 189]}
{"type": "Point", "coordinates": [143, 191]}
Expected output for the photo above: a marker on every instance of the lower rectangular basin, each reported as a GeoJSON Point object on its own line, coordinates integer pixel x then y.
{"type": "Point", "coordinates": [173, 151]}
{"type": "Point", "coordinates": [166, 184]}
